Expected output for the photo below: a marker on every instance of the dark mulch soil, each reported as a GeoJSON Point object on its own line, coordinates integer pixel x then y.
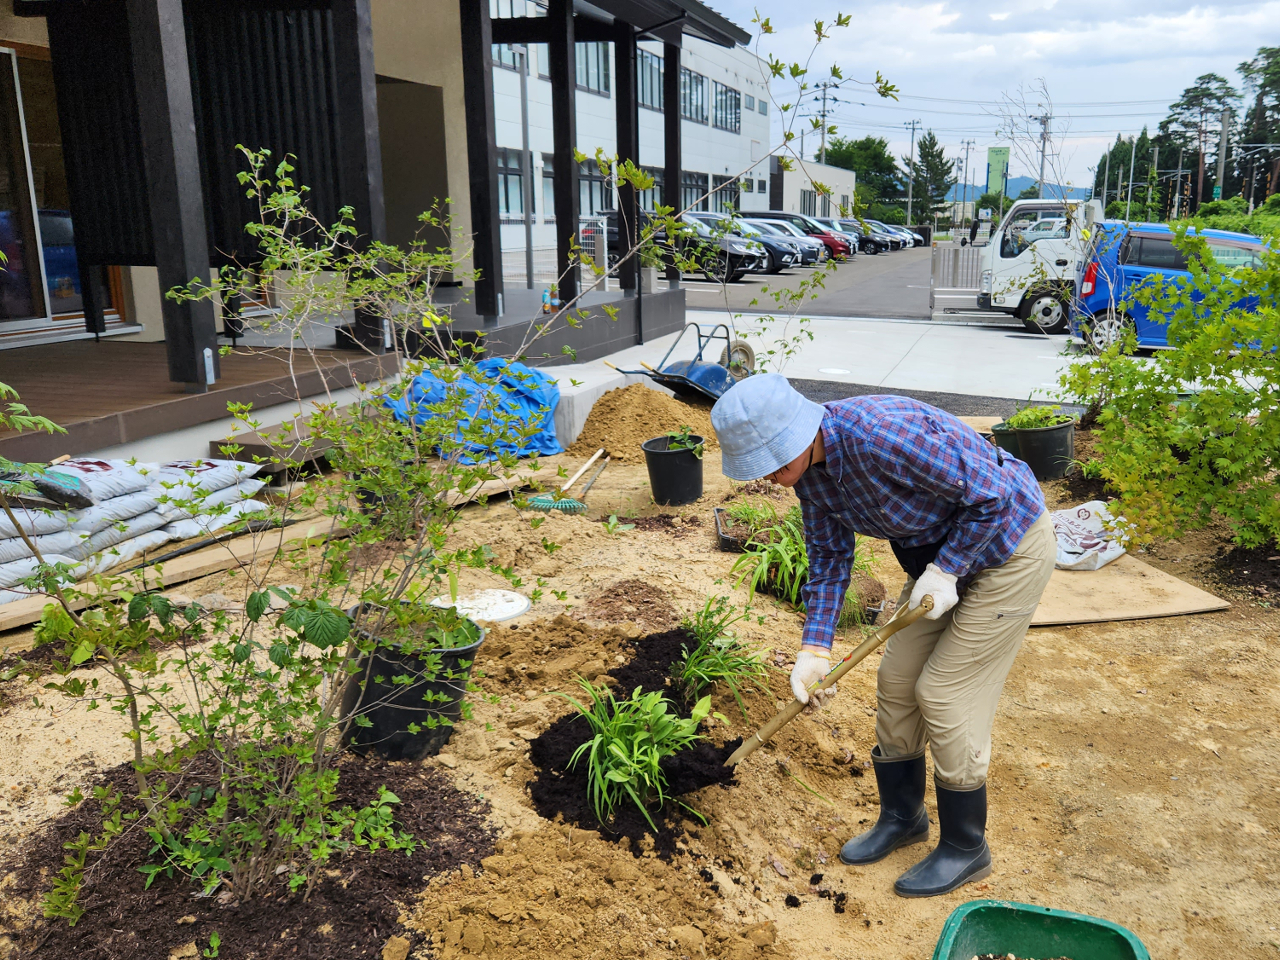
{"type": "Point", "coordinates": [558, 790]}
{"type": "Point", "coordinates": [357, 909]}
{"type": "Point", "coordinates": [1256, 569]}
{"type": "Point", "coordinates": [672, 523]}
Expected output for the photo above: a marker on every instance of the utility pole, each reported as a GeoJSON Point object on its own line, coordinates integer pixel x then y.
{"type": "Point", "coordinates": [1200, 184]}
{"type": "Point", "coordinates": [1106, 182]}
{"type": "Point", "coordinates": [964, 203]}
{"type": "Point", "coordinates": [1128, 200]}
{"type": "Point", "coordinates": [911, 167]}
{"type": "Point", "coordinates": [825, 85]}
{"type": "Point", "coordinates": [1177, 190]}
{"type": "Point", "coordinates": [1044, 122]}
{"type": "Point", "coordinates": [1155, 173]}
{"type": "Point", "coordinates": [1119, 183]}
{"type": "Point", "coordinates": [1222, 154]}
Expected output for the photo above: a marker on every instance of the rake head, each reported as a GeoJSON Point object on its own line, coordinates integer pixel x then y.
{"type": "Point", "coordinates": [547, 503]}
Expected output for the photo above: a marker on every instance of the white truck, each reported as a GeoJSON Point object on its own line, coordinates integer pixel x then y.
{"type": "Point", "coordinates": [1029, 264]}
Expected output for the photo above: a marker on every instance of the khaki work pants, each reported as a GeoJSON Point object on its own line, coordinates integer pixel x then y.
{"type": "Point", "coordinates": [940, 680]}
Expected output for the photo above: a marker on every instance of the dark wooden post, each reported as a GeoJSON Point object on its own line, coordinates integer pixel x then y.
{"type": "Point", "coordinates": [628, 124]}
{"type": "Point", "coordinates": [93, 297]}
{"type": "Point", "coordinates": [482, 155]}
{"type": "Point", "coordinates": [361, 171]}
{"type": "Point", "coordinates": [562, 53]}
{"type": "Point", "coordinates": [162, 80]}
{"type": "Point", "coordinates": [671, 137]}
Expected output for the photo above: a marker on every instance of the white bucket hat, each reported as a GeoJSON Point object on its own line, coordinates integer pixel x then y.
{"type": "Point", "coordinates": [763, 424]}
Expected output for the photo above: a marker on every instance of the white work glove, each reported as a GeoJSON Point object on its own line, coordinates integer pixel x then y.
{"type": "Point", "coordinates": [941, 586]}
{"type": "Point", "coordinates": [809, 669]}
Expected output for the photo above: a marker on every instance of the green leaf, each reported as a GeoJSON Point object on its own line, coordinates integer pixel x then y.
{"type": "Point", "coordinates": [325, 627]}
{"type": "Point", "coordinates": [257, 604]}
{"type": "Point", "coordinates": [83, 651]}
{"type": "Point", "coordinates": [140, 607]}
{"type": "Point", "coordinates": [279, 654]}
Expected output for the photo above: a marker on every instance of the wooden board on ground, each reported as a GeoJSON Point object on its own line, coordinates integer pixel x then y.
{"type": "Point", "coordinates": [1125, 589]}
{"type": "Point", "coordinates": [518, 480]}
{"type": "Point", "coordinates": [201, 563]}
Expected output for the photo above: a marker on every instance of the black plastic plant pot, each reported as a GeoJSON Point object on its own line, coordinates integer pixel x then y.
{"type": "Point", "coordinates": [401, 714]}
{"type": "Point", "coordinates": [675, 476]}
{"type": "Point", "coordinates": [1048, 451]}
{"type": "Point", "coordinates": [728, 542]}
{"type": "Point", "coordinates": [1006, 439]}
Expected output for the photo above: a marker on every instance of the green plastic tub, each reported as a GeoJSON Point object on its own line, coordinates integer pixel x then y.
{"type": "Point", "coordinates": [1027, 931]}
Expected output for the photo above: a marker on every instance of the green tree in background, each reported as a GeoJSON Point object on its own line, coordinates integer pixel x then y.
{"type": "Point", "coordinates": [1259, 170]}
{"type": "Point", "coordinates": [1194, 123]}
{"type": "Point", "coordinates": [933, 176]}
{"type": "Point", "coordinates": [880, 181]}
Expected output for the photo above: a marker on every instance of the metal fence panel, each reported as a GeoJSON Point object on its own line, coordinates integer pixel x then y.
{"type": "Point", "coordinates": [954, 274]}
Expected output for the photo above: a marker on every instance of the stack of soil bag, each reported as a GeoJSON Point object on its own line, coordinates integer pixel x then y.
{"type": "Point", "coordinates": [95, 514]}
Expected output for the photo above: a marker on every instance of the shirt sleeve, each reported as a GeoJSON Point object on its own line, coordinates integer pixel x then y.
{"type": "Point", "coordinates": [829, 545]}
{"type": "Point", "coordinates": [923, 455]}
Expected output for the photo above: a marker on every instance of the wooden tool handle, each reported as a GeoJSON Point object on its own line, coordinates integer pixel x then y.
{"type": "Point", "coordinates": [646, 366]}
{"type": "Point", "coordinates": [611, 366]}
{"type": "Point", "coordinates": [581, 470]}
{"type": "Point", "coordinates": [792, 710]}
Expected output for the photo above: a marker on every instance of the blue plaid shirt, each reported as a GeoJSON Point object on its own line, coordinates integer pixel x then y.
{"type": "Point", "coordinates": [904, 471]}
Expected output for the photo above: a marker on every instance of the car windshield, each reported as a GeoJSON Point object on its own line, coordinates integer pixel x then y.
{"type": "Point", "coordinates": [1232, 255]}
{"type": "Point", "coordinates": [767, 226]}
{"type": "Point", "coordinates": [746, 229]}
{"type": "Point", "coordinates": [787, 227]}
{"type": "Point", "coordinates": [699, 227]}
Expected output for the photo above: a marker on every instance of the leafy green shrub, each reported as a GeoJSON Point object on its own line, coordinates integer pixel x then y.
{"type": "Point", "coordinates": [682, 439]}
{"type": "Point", "coordinates": [717, 656]}
{"type": "Point", "coordinates": [775, 559]}
{"type": "Point", "coordinates": [629, 740]}
{"type": "Point", "coordinates": [1193, 433]}
{"type": "Point", "coordinates": [754, 516]}
{"type": "Point", "coordinates": [1031, 418]}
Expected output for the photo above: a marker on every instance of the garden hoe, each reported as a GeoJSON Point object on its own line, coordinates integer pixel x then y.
{"type": "Point", "coordinates": [902, 618]}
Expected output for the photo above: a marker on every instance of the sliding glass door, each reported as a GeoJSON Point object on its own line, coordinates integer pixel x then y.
{"type": "Point", "coordinates": [22, 274]}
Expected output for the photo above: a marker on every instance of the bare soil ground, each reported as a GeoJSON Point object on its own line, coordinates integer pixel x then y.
{"type": "Point", "coordinates": [1136, 774]}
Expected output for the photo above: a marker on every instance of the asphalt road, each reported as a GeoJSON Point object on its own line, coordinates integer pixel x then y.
{"type": "Point", "coordinates": [892, 285]}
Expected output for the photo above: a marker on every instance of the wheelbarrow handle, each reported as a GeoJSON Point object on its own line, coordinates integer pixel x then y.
{"type": "Point", "coordinates": [902, 618]}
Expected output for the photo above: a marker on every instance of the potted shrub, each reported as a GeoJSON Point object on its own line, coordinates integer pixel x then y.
{"type": "Point", "coordinates": [1006, 438]}
{"type": "Point", "coordinates": [410, 683]}
{"type": "Point", "coordinates": [1046, 440]}
{"type": "Point", "coordinates": [675, 467]}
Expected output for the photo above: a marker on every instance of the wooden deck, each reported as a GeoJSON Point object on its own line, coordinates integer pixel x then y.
{"type": "Point", "coordinates": [110, 392]}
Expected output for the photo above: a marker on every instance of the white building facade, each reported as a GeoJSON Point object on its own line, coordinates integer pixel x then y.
{"type": "Point", "coordinates": [795, 191]}
{"type": "Point", "coordinates": [725, 110]}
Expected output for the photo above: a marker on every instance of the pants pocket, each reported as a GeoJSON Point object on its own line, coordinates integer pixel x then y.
{"type": "Point", "coordinates": [1013, 613]}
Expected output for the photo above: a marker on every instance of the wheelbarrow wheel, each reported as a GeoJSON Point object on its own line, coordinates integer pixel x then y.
{"type": "Point", "coordinates": [739, 359]}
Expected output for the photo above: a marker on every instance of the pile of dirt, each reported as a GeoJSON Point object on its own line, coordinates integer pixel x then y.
{"type": "Point", "coordinates": [353, 912]}
{"type": "Point", "coordinates": [869, 590]}
{"type": "Point", "coordinates": [632, 601]}
{"type": "Point", "coordinates": [563, 892]}
{"type": "Point", "coordinates": [673, 523]}
{"type": "Point", "coordinates": [548, 653]}
{"type": "Point", "coordinates": [623, 419]}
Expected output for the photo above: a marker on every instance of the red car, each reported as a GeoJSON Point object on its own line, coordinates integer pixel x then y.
{"type": "Point", "coordinates": [837, 246]}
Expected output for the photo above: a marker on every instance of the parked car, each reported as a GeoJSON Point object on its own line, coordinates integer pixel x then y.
{"type": "Point", "coordinates": [811, 249]}
{"type": "Point", "coordinates": [1122, 255]}
{"type": "Point", "coordinates": [868, 239]}
{"type": "Point", "coordinates": [735, 256]}
{"type": "Point", "coordinates": [837, 246]}
{"type": "Point", "coordinates": [781, 253]}
{"type": "Point", "coordinates": [1030, 274]}
{"type": "Point", "coordinates": [902, 238]}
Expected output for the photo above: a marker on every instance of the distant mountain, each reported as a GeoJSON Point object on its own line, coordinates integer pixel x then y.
{"type": "Point", "coordinates": [1016, 186]}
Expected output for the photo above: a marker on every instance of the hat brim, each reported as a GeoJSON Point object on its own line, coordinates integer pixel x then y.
{"type": "Point", "coordinates": [778, 451]}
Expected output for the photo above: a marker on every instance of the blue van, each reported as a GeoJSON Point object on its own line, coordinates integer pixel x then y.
{"type": "Point", "coordinates": [1122, 255]}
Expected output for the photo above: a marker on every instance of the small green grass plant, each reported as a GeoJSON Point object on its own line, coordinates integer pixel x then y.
{"type": "Point", "coordinates": [1034, 418]}
{"type": "Point", "coordinates": [629, 740]}
{"type": "Point", "coordinates": [717, 655]}
{"type": "Point", "coordinates": [775, 559]}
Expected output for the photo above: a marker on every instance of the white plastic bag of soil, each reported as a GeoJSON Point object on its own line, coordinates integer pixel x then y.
{"type": "Point", "coordinates": [203, 526]}
{"type": "Point", "coordinates": [178, 508]}
{"type": "Point", "coordinates": [15, 548]}
{"type": "Point", "coordinates": [15, 571]}
{"type": "Point", "coordinates": [33, 521]}
{"type": "Point", "coordinates": [117, 533]}
{"type": "Point", "coordinates": [125, 551]}
{"type": "Point", "coordinates": [186, 479]}
{"type": "Point", "coordinates": [1084, 541]}
{"type": "Point", "coordinates": [97, 518]}
{"type": "Point", "coordinates": [83, 483]}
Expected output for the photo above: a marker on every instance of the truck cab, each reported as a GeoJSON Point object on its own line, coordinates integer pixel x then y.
{"type": "Point", "coordinates": [1029, 264]}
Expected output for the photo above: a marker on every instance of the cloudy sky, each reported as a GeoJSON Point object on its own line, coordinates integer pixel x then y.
{"type": "Point", "coordinates": [1109, 66]}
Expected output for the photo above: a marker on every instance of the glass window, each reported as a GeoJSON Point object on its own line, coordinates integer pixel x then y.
{"type": "Point", "coordinates": [748, 102]}
{"type": "Point", "coordinates": [21, 287]}
{"type": "Point", "coordinates": [725, 199]}
{"type": "Point", "coordinates": [762, 186]}
{"type": "Point", "coordinates": [510, 183]}
{"type": "Point", "coordinates": [593, 66]}
{"type": "Point", "coordinates": [1159, 253]}
{"type": "Point", "coordinates": [505, 56]}
{"type": "Point", "coordinates": [595, 195]}
{"type": "Point", "coordinates": [693, 188]}
{"type": "Point", "coordinates": [727, 107]}
{"type": "Point", "coordinates": [763, 106]}
{"type": "Point", "coordinates": [693, 96]}
{"type": "Point", "coordinates": [548, 187]}
{"type": "Point", "coordinates": [1230, 255]}
{"type": "Point", "coordinates": [649, 80]}
{"type": "Point", "coordinates": [649, 199]}
{"type": "Point", "coordinates": [748, 185]}
{"type": "Point", "coordinates": [809, 203]}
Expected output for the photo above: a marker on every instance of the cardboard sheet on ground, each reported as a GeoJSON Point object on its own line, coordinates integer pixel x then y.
{"type": "Point", "coordinates": [1125, 589]}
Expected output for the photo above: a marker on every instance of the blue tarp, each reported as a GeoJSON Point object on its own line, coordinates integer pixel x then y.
{"type": "Point", "coordinates": [506, 385]}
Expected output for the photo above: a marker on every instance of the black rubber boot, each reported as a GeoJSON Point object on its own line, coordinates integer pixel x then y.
{"type": "Point", "coordinates": [962, 854]}
{"type": "Point", "coordinates": [903, 819]}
